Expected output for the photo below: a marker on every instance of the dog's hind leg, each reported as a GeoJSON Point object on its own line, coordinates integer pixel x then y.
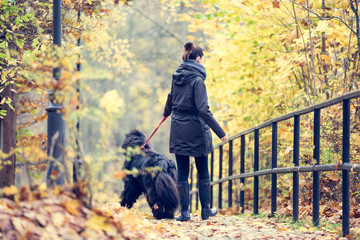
{"type": "Point", "coordinates": [152, 197]}
{"type": "Point", "coordinates": [130, 193]}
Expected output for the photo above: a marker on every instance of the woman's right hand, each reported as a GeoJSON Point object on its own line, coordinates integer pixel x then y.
{"type": "Point", "coordinates": [224, 138]}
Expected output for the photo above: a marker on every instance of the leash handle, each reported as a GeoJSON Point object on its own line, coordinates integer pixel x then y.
{"type": "Point", "coordinates": [163, 120]}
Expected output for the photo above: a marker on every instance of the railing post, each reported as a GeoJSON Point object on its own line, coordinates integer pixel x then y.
{"type": "Point", "coordinates": [211, 178]}
{"type": "Point", "coordinates": [197, 193]}
{"type": "Point", "coordinates": [242, 170]}
{"type": "Point", "coordinates": [220, 176]}
{"type": "Point", "coordinates": [256, 168]}
{"type": "Point", "coordinates": [316, 179]}
{"type": "Point", "coordinates": [191, 184]}
{"type": "Point", "coordinates": [296, 163]}
{"type": "Point", "coordinates": [77, 161]}
{"type": "Point", "coordinates": [345, 173]}
{"type": "Point", "coordinates": [274, 165]}
{"type": "Point", "coordinates": [230, 173]}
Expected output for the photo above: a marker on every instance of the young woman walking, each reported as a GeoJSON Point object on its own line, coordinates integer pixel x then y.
{"type": "Point", "coordinates": [190, 133]}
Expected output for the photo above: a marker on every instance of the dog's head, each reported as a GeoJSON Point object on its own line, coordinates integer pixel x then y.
{"type": "Point", "coordinates": [134, 138]}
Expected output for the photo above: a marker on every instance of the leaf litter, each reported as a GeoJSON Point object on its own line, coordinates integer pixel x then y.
{"type": "Point", "coordinates": [226, 225]}
{"type": "Point", "coordinates": [63, 213]}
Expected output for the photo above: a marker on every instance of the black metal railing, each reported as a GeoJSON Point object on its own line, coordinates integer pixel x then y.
{"type": "Point", "coordinates": [345, 167]}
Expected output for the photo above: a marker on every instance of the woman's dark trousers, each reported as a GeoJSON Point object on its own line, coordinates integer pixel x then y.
{"type": "Point", "coordinates": [204, 186]}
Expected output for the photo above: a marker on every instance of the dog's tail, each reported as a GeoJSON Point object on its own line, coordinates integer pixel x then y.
{"type": "Point", "coordinates": [167, 191]}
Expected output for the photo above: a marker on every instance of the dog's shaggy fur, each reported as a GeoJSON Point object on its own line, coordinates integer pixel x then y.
{"type": "Point", "coordinates": [159, 186]}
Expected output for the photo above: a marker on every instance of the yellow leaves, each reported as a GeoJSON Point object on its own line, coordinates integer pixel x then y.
{"type": "Point", "coordinates": [310, 229]}
{"type": "Point", "coordinates": [303, 229]}
{"type": "Point", "coordinates": [56, 190]}
{"type": "Point", "coordinates": [72, 206]}
{"type": "Point", "coordinates": [159, 227]}
{"type": "Point", "coordinates": [42, 187]}
{"type": "Point", "coordinates": [9, 191]}
{"type": "Point", "coordinates": [112, 102]}
{"type": "Point", "coordinates": [97, 222]}
{"type": "Point", "coordinates": [322, 26]}
{"type": "Point", "coordinates": [33, 154]}
{"type": "Point", "coordinates": [291, 36]}
{"type": "Point", "coordinates": [70, 152]}
{"type": "Point", "coordinates": [326, 58]}
{"type": "Point", "coordinates": [190, 37]}
{"type": "Point", "coordinates": [88, 159]}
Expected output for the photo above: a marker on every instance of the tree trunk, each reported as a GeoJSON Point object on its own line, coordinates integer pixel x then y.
{"type": "Point", "coordinates": [7, 171]}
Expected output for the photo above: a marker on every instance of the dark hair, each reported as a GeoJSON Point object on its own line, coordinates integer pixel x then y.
{"type": "Point", "coordinates": [191, 51]}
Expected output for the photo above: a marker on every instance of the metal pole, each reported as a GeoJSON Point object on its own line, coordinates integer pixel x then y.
{"type": "Point", "coordinates": [230, 172]}
{"type": "Point", "coordinates": [77, 163]}
{"type": "Point", "coordinates": [242, 170]}
{"type": "Point", "coordinates": [220, 176]}
{"type": "Point", "coordinates": [345, 173]}
{"type": "Point", "coordinates": [296, 163]}
{"type": "Point", "coordinates": [256, 168]}
{"type": "Point", "coordinates": [191, 185]}
{"type": "Point", "coordinates": [274, 165]}
{"type": "Point", "coordinates": [211, 179]}
{"type": "Point", "coordinates": [316, 177]}
{"type": "Point", "coordinates": [55, 122]}
{"type": "Point", "coordinates": [197, 193]}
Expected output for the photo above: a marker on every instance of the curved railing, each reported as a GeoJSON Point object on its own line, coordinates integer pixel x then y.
{"type": "Point", "coordinates": [345, 167]}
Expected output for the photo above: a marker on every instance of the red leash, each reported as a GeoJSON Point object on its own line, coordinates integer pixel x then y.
{"type": "Point", "coordinates": [163, 120]}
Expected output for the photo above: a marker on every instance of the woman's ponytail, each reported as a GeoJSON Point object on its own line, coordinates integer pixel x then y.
{"type": "Point", "coordinates": [191, 51]}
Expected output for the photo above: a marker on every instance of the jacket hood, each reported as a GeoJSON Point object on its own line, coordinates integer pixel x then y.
{"type": "Point", "coordinates": [187, 71]}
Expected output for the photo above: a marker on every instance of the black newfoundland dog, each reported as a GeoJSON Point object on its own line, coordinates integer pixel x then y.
{"type": "Point", "coordinates": [159, 186]}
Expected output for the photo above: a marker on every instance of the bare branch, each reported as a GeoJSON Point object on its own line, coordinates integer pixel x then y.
{"type": "Point", "coordinates": [325, 19]}
{"type": "Point", "coordinates": [312, 50]}
{"type": "Point", "coordinates": [158, 24]}
{"type": "Point", "coordinates": [282, 23]}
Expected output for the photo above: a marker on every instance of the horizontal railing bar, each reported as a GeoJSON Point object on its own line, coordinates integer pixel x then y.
{"type": "Point", "coordinates": [316, 168]}
{"type": "Point", "coordinates": [325, 104]}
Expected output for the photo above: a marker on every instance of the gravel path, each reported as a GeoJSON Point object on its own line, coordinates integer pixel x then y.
{"type": "Point", "coordinates": [139, 225]}
{"type": "Point", "coordinates": [233, 227]}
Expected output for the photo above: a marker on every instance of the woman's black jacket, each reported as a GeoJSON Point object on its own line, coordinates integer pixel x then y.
{"type": "Point", "coordinates": [190, 134]}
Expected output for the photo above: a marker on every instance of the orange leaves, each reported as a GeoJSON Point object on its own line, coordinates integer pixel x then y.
{"type": "Point", "coordinates": [53, 213]}
{"type": "Point", "coordinates": [326, 58]}
{"type": "Point", "coordinates": [230, 211]}
{"type": "Point", "coordinates": [120, 174]}
{"type": "Point", "coordinates": [72, 206]}
{"type": "Point", "coordinates": [276, 4]}
{"type": "Point", "coordinates": [74, 102]}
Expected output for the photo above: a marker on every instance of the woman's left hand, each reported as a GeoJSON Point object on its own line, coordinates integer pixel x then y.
{"type": "Point", "coordinates": [224, 138]}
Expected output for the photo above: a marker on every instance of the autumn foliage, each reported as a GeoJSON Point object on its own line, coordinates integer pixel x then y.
{"type": "Point", "coordinates": [268, 58]}
{"type": "Point", "coordinates": [263, 59]}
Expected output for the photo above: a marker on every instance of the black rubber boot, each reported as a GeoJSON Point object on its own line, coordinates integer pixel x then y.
{"type": "Point", "coordinates": [183, 188]}
{"type": "Point", "coordinates": [204, 194]}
